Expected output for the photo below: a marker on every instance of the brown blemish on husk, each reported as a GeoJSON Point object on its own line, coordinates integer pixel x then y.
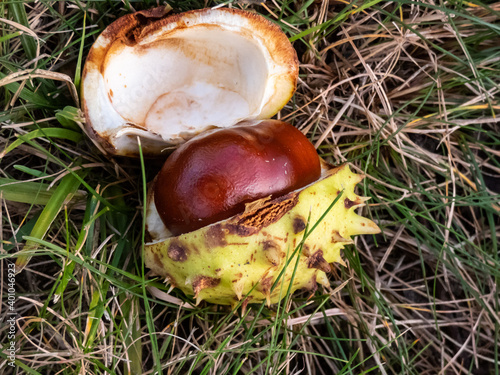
{"type": "Point", "coordinates": [272, 252]}
{"type": "Point", "coordinates": [265, 285]}
{"type": "Point", "coordinates": [215, 236]}
{"type": "Point", "coordinates": [299, 224]}
{"type": "Point", "coordinates": [348, 203]}
{"type": "Point", "coordinates": [317, 261]}
{"type": "Point", "coordinates": [204, 282]}
{"type": "Point", "coordinates": [270, 245]}
{"type": "Point", "coordinates": [306, 250]}
{"type": "Point", "coordinates": [177, 252]}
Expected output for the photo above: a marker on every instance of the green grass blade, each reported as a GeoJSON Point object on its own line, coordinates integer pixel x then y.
{"type": "Point", "coordinates": [85, 235]}
{"type": "Point", "coordinates": [68, 117]}
{"type": "Point", "coordinates": [78, 70]}
{"type": "Point", "coordinates": [66, 134]}
{"type": "Point", "coordinates": [62, 195]}
{"type": "Point", "coordinates": [9, 36]}
{"type": "Point", "coordinates": [26, 191]}
{"type": "Point", "coordinates": [33, 172]}
{"type": "Point", "coordinates": [18, 14]}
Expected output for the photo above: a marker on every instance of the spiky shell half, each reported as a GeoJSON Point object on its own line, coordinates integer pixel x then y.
{"type": "Point", "coordinates": [166, 79]}
{"type": "Point", "coordinates": [245, 255]}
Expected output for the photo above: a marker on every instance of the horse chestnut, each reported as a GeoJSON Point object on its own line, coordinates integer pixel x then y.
{"type": "Point", "coordinates": [212, 176]}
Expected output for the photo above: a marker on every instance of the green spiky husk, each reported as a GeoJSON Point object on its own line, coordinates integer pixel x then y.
{"type": "Point", "coordinates": [245, 255]}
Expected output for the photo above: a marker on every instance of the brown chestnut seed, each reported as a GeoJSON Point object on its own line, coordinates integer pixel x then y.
{"type": "Point", "coordinates": [212, 176]}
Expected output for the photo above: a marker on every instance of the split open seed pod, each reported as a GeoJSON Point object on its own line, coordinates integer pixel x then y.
{"type": "Point", "coordinates": [285, 242]}
{"type": "Point", "coordinates": [166, 79]}
{"type": "Point", "coordinates": [179, 81]}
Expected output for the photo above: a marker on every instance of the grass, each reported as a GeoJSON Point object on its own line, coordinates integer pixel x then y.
{"type": "Point", "coordinates": [405, 91]}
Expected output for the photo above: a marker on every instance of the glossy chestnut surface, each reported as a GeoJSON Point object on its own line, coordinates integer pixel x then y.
{"type": "Point", "coordinates": [212, 176]}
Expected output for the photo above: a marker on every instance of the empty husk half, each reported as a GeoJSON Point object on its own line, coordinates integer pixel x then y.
{"type": "Point", "coordinates": [167, 78]}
